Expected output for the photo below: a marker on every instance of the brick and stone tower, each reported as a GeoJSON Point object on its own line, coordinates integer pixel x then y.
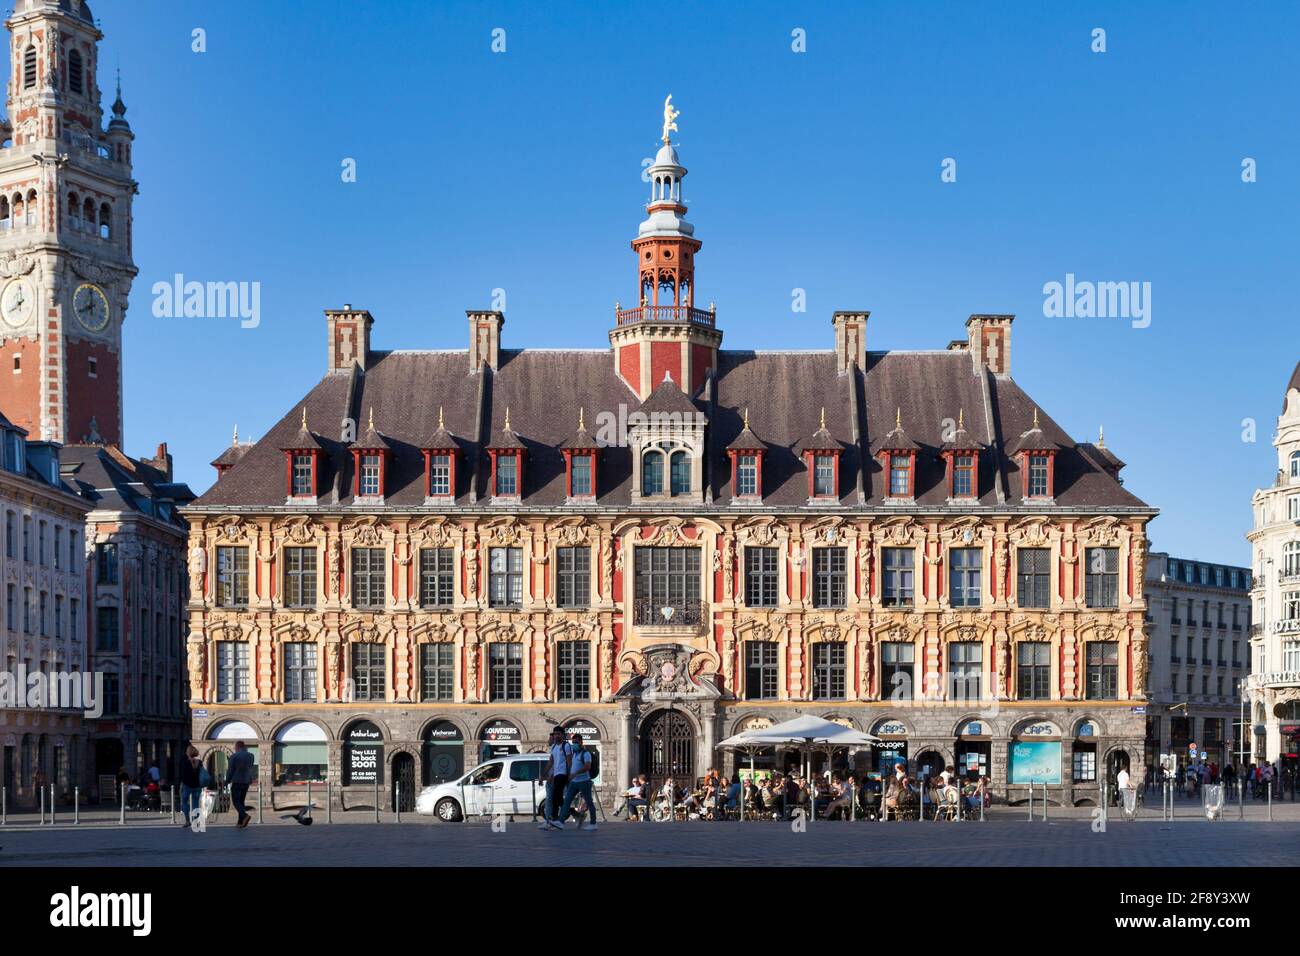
{"type": "Point", "coordinates": [65, 229]}
{"type": "Point", "coordinates": [665, 334]}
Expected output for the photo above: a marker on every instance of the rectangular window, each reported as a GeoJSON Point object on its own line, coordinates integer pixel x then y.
{"type": "Point", "coordinates": [900, 476]}
{"type": "Point", "coordinates": [300, 671]}
{"type": "Point", "coordinates": [29, 613]}
{"type": "Point", "coordinates": [964, 577]}
{"type": "Point", "coordinates": [572, 577]}
{"type": "Point", "coordinates": [760, 577]}
{"type": "Point", "coordinates": [44, 614]}
{"type": "Point", "coordinates": [11, 608]}
{"type": "Point", "coordinates": [679, 473]}
{"type": "Point", "coordinates": [580, 477]}
{"type": "Point", "coordinates": [27, 538]}
{"type": "Point", "coordinates": [1101, 585]}
{"type": "Point", "coordinates": [667, 578]}
{"type": "Point", "coordinates": [746, 476]}
{"type": "Point", "coordinates": [11, 534]}
{"type": "Point", "coordinates": [370, 476]}
{"type": "Point", "coordinates": [440, 475]}
{"type": "Point", "coordinates": [58, 548]}
{"type": "Point", "coordinates": [761, 670]}
{"type": "Point", "coordinates": [106, 637]}
{"type": "Point", "coordinates": [1033, 577]}
{"type": "Point", "coordinates": [369, 676]}
{"type": "Point", "coordinates": [965, 659]}
{"type": "Point", "coordinates": [505, 577]}
{"type": "Point", "coordinates": [302, 481]}
{"type": "Point", "coordinates": [896, 660]}
{"type": "Point", "coordinates": [72, 550]}
{"type": "Point", "coordinates": [437, 577]}
{"type": "Point", "coordinates": [437, 672]}
{"type": "Point", "coordinates": [506, 668]}
{"type": "Point", "coordinates": [232, 672]}
{"type": "Point", "coordinates": [300, 577]}
{"type": "Point", "coordinates": [963, 476]}
{"type": "Point", "coordinates": [40, 542]}
{"type": "Point", "coordinates": [830, 577]}
{"type": "Point", "coordinates": [1038, 476]}
{"type": "Point", "coordinates": [368, 577]}
{"type": "Point", "coordinates": [507, 475]}
{"type": "Point", "coordinates": [573, 670]}
{"type": "Point", "coordinates": [829, 672]}
{"type": "Point", "coordinates": [112, 694]}
{"type": "Point", "coordinates": [106, 563]}
{"type": "Point", "coordinates": [1085, 765]}
{"type": "Point", "coordinates": [896, 589]}
{"type": "Point", "coordinates": [1034, 670]}
{"type": "Point", "coordinates": [1103, 671]}
{"type": "Point", "coordinates": [232, 577]}
{"type": "Point", "coordinates": [824, 476]}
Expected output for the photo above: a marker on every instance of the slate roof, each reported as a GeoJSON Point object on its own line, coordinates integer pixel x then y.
{"type": "Point", "coordinates": [784, 392]}
{"type": "Point", "coordinates": [110, 480]}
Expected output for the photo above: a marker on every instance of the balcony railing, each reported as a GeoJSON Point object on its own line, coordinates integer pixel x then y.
{"type": "Point", "coordinates": [680, 314]}
{"type": "Point", "coordinates": [647, 613]}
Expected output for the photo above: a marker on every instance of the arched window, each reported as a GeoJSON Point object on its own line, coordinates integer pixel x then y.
{"type": "Point", "coordinates": [18, 207]}
{"type": "Point", "coordinates": [681, 473]}
{"type": "Point", "coordinates": [29, 68]}
{"type": "Point", "coordinates": [76, 76]}
{"type": "Point", "coordinates": [652, 473]}
{"type": "Point", "coordinates": [105, 222]}
{"type": "Point", "coordinates": [1291, 558]}
{"type": "Point", "coordinates": [4, 212]}
{"type": "Point", "coordinates": [31, 207]}
{"type": "Point", "coordinates": [74, 211]}
{"type": "Point", "coordinates": [1295, 464]}
{"type": "Point", "coordinates": [88, 214]}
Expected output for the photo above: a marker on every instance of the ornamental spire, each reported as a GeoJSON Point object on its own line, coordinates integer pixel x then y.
{"type": "Point", "coordinates": [670, 118]}
{"type": "Point", "coordinates": [440, 425]}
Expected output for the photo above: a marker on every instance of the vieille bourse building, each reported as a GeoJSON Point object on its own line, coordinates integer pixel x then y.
{"type": "Point", "coordinates": [439, 555]}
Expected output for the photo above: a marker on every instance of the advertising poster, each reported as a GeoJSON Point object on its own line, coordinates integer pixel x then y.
{"type": "Point", "coordinates": [1036, 761]}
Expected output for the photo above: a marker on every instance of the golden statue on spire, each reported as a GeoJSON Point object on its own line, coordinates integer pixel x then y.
{"type": "Point", "coordinates": [670, 118]}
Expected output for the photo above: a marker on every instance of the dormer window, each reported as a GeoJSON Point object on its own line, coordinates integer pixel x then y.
{"type": "Point", "coordinates": [1036, 455]}
{"type": "Point", "coordinates": [900, 476]}
{"type": "Point", "coordinates": [580, 462]}
{"type": "Point", "coordinates": [370, 455]}
{"type": "Point", "coordinates": [1295, 464]}
{"type": "Point", "coordinates": [507, 453]}
{"type": "Point", "coordinates": [963, 476]}
{"type": "Point", "coordinates": [304, 476]}
{"type": "Point", "coordinates": [821, 456]}
{"type": "Point", "coordinates": [302, 461]}
{"type": "Point", "coordinates": [746, 453]}
{"type": "Point", "coordinates": [652, 473]}
{"type": "Point", "coordinates": [440, 463]}
{"type": "Point", "coordinates": [962, 456]}
{"type": "Point", "coordinates": [897, 455]}
{"type": "Point", "coordinates": [372, 474]}
{"type": "Point", "coordinates": [680, 473]}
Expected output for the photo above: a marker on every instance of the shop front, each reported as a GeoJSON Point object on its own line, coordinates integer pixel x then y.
{"type": "Point", "coordinates": [755, 765]}
{"type": "Point", "coordinates": [300, 754]}
{"type": "Point", "coordinates": [974, 747]}
{"type": "Point", "coordinates": [363, 754]}
{"type": "Point", "coordinates": [889, 749]}
{"type": "Point", "coordinates": [1034, 757]}
{"type": "Point", "coordinates": [442, 748]}
{"type": "Point", "coordinates": [499, 738]}
{"type": "Point", "coordinates": [590, 740]}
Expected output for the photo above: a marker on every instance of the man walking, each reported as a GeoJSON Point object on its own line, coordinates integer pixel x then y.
{"type": "Point", "coordinates": [191, 785]}
{"type": "Point", "coordinates": [579, 783]}
{"type": "Point", "coordinates": [557, 779]}
{"type": "Point", "coordinates": [239, 777]}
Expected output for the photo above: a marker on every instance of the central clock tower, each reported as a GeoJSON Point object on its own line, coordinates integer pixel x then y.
{"type": "Point", "coordinates": [65, 229]}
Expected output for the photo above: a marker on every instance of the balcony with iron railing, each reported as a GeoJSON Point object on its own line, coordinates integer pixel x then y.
{"type": "Point", "coordinates": [674, 314]}
{"type": "Point", "coordinates": [670, 614]}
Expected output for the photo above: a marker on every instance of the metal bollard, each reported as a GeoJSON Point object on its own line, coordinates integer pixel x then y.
{"type": "Point", "coordinates": [41, 792]}
{"type": "Point", "coordinates": [1241, 798]}
{"type": "Point", "coordinates": [534, 808]}
{"type": "Point", "coordinates": [397, 799]}
{"type": "Point", "coordinates": [1270, 802]}
{"type": "Point", "coordinates": [76, 806]}
{"type": "Point", "coordinates": [1044, 801]}
{"type": "Point", "coordinates": [259, 801]}
{"type": "Point", "coordinates": [376, 796]}
{"type": "Point", "coordinates": [171, 800]}
{"type": "Point", "coordinates": [308, 798]}
{"type": "Point", "coordinates": [1031, 803]}
{"type": "Point", "coordinates": [329, 801]}
{"type": "Point", "coordinates": [121, 807]}
{"type": "Point", "coordinates": [51, 804]}
{"type": "Point", "coordinates": [4, 806]}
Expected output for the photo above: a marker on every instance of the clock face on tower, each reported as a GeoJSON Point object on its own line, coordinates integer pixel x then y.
{"type": "Point", "coordinates": [17, 302]}
{"type": "Point", "coordinates": [90, 306]}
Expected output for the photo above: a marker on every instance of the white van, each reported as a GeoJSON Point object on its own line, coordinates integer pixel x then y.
{"type": "Point", "coordinates": [515, 784]}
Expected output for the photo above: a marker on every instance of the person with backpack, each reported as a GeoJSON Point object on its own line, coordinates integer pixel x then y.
{"type": "Point", "coordinates": [240, 772]}
{"type": "Point", "coordinates": [557, 779]}
{"type": "Point", "coordinates": [192, 773]}
{"type": "Point", "coordinates": [579, 783]}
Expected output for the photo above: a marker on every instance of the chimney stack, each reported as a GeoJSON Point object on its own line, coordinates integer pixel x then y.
{"type": "Point", "coordinates": [990, 342]}
{"type": "Point", "coordinates": [484, 339]}
{"type": "Point", "coordinates": [850, 340]}
{"type": "Point", "coordinates": [349, 337]}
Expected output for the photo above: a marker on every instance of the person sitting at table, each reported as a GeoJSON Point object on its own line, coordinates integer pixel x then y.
{"type": "Point", "coordinates": [636, 795]}
{"type": "Point", "coordinates": [731, 791]}
{"type": "Point", "coordinates": [753, 797]}
{"type": "Point", "coordinates": [897, 788]}
{"type": "Point", "coordinates": [843, 798]}
{"type": "Point", "coordinates": [774, 798]}
{"type": "Point", "coordinates": [977, 795]}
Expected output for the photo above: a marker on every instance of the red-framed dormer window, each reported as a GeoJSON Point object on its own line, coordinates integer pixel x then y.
{"type": "Point", "coordinates": [1038, 471]}
{"type": "Point", "coordinates": [302, 474]}
{"type": "Point", "coordinates": [747, 474]}
{"type": "Point", "coordinates": [580, 473]}
{"type": "Point", "coordinates": [823, 474]}
{"type": "Point", "coordinates": [900, 469]}
{"type": "Point", "coordinates": [369, 471]}
{"type": "Point", "coordinates": [963, 473]}
{"type": "Point", "coordinates": [507, 472]}
{"type": "Point", "coordinates": [440, 473]}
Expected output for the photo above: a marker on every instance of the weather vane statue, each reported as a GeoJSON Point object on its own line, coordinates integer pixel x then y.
{"type": "Point", "coordinates": [670, 118]}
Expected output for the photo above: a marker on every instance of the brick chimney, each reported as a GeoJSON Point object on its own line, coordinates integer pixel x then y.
{"type": "Point", "coordinates": [162, 461]}
{"type": "Point", "coordinates": [850, 339]}
{"type": "Point", "coordinates": [990, 341]}
{"type": "Point", "coordinates": [484, 339]}
{"type": "Point", "coordinates": [349, 337]}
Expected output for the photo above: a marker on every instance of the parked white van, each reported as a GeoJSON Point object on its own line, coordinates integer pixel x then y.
{"type": "Point", "coordinates": [515, 784]}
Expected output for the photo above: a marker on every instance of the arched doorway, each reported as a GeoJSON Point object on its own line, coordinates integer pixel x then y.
{"type": "Point", "coordinates": [1116, 761]}
{"type": "Point", "coordinates": [668, 748]}
{"type": "Point", "coordinates": [404, 783]}
{"type": "Point", "coordinates": [444, 753]}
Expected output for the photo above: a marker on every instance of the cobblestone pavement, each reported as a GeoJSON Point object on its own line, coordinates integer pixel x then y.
{"type": "Point", "coordinates": [1000, 842]}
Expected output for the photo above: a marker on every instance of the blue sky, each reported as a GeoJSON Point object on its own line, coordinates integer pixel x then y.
{"type": "Point", "coordinates": [817, 170]}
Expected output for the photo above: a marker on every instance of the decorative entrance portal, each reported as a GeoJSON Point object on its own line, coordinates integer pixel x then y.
{"type": "Point", "coordinates": [668, 749]}
{"type": "Point", "coordinates": [404, 783]}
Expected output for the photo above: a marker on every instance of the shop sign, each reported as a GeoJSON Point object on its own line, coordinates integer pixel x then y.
{"type": "Point", "coordinates": [502, 732]}
{"type": "Point", "coordinates": [891, 728]}
{"type": "Point", "coordinates": [1036, 761]}
{"type": "Point", "coordinates": [590, 732]}
{"type": "Point", "coordinates": [364, 753]}
{"type": "Point", "coordinates": [1087, 729]}
{"type": "Point", "coordinates": [1042, 729]}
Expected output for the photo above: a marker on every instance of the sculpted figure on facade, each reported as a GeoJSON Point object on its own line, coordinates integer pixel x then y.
{"type": "Point", "coordinates": [198, 567]}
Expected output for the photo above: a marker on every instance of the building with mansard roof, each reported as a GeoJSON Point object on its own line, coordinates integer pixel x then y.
{"type": "Point", "coordinates": [445, 553]}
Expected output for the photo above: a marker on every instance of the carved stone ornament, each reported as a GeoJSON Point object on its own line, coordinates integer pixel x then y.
{"type": "Point", "coordinates": [232, 528]}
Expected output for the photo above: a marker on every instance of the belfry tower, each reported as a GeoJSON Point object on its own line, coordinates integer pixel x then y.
{"type": "Point", "coordinates": [66, 189]}
{"type": "Point", "coordinates": [665, 334]}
